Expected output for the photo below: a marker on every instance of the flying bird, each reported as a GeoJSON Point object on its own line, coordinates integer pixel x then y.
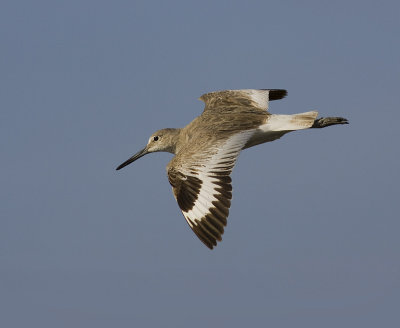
{"type": "Point", "coordinates": [207, 148]}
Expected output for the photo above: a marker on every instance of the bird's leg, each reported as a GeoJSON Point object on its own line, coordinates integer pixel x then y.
{"type": "Point", "coordinates": [323, 122]}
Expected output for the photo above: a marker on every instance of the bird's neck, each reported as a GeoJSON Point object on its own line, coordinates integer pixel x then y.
{"type": "Point", "coordinates": [174, 138]}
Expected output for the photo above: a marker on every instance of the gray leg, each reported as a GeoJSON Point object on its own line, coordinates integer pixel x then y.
{"type": "Point", "coordinates": [323, 122]}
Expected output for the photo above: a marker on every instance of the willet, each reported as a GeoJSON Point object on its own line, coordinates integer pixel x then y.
{"type": "Point", "coordinates": [206, 151]}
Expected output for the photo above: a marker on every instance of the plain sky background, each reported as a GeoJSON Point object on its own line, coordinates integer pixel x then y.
{"type": "Point", "coordinates": [313, 233]}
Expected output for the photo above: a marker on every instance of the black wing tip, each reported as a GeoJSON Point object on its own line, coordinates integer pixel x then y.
{"type": "Point", "coordinates": [275, 94]}
{"type": "Point", "coordinates": [204, 236]}
{"type": "Point", "coordinates": [209, 246]}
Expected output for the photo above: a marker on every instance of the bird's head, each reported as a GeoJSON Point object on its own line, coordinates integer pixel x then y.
{"type": "Point", "coordinates": [161, 140]}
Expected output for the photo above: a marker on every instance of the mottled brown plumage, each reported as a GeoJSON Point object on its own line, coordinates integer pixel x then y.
{"type": "Point", "coordinates": [206, 151]}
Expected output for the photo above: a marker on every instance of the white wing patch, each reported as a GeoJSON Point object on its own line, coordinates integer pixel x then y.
{"type": "Point", "coordinates": [207, 207]}
{"type": "Point", "coordinates": [222, 161]}
{"type": "Point", "coordinates": [259, 97]}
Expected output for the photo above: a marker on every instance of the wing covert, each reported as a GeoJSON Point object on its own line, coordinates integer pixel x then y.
{"type": "Point", "coordinates": [245, 99]}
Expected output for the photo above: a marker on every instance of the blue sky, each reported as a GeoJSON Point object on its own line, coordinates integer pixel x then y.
{"type": "Point", "coordinates": [312, 238]}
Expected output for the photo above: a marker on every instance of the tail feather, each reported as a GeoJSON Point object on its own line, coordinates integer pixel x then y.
{"type": "Point", "coordinates": [292, 122]}
{"type": "Point", "coordinates": [278, 125]}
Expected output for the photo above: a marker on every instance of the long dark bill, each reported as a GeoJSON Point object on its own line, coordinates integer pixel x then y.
{"type": "Point", "coordinates": [133, 158]}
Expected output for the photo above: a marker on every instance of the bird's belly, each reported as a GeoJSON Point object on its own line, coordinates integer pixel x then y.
{"type": "Point", "coordinates": [261, 136]}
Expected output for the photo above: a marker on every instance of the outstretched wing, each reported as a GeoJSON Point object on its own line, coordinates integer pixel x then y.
{"type": "Point", "coordinates": [245, 99]}
{"type": "Point", "coordinates": [201, 183]}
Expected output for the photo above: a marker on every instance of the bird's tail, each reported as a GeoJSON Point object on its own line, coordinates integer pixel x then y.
{"type": "Point", "coordinates": [292, 122]}
{"type": "Point", "coordinates": [278, 125]}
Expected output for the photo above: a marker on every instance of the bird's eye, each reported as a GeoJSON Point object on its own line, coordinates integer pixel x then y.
{"type": "Point", "coordinates": [155, 138]}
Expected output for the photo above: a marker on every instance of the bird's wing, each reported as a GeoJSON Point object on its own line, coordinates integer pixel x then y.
{"type": "Point", "coordinates": [201, 184]}
{"type": "Point", "coordinates": [249, 99]}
